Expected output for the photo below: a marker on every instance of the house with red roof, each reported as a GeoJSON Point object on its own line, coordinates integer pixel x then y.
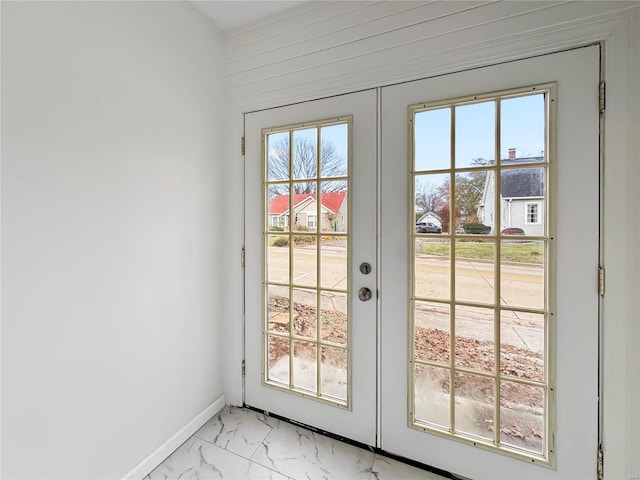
{"type": "Point", "coordinates": [333, 211]}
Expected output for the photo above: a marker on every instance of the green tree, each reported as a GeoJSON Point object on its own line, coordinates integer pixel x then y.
{"type": "Point", "coordinates": [469, 188]}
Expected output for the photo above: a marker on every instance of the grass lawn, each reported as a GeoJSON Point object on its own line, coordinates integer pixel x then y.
{"type": "Point", "coordinates": [510, 252]}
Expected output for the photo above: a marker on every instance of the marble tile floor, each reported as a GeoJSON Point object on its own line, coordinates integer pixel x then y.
{"type": "Point", "coordinates": [239, 443]}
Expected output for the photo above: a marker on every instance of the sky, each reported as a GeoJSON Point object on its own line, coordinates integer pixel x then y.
{"type": "Point", "coordinates": [521, 127]}
{"type": "Point", "coordinates": [336, 134]}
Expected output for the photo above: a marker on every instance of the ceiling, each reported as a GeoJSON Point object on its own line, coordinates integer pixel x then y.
{"type": "Point", "coordinates": [229, 14]}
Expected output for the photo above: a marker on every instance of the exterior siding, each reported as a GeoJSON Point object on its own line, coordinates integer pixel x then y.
{"type": "Point", "coordinates": [518, 210]}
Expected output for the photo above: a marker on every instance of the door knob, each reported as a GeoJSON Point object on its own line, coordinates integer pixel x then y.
{"type": "Point", "coordinates": [364, 294]}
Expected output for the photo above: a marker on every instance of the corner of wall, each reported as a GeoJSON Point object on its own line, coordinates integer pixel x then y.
{"type": "Point", "coordinates": [155, 458]}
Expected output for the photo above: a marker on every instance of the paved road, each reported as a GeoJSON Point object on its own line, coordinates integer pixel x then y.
{"type": "Point", "coordinates": [522, 285]}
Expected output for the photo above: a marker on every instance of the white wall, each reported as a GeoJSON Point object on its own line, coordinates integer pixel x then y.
{"type": "Point", "coordinates": [111, 229]}
{"type": "Point", "coordinates": [321, 49]}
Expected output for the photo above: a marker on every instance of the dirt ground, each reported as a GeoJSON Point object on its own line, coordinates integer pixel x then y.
{"type": "Point", "coordinates": [433, 344]}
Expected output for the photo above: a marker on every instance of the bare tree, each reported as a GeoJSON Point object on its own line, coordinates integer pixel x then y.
{"type": "Point", "coordinates": [427, 198]}
{"type": "Point", "coordinates": [305, 166]}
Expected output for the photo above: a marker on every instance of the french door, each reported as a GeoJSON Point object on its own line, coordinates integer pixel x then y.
{"type": "Point", "coordinates": [472, 345]}
{"type": "Point", "coordinates": [311, 214]}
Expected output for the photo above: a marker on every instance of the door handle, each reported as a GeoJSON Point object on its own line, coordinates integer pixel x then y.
{"type": "Point", "coordinates": [364, 294]}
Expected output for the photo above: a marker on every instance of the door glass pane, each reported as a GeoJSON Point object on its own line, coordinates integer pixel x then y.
{"type": "Point", "coordinates": [432, 145]}
{"type": "Point", "coordinates": [475, 280]}
{"type": "Point", "coordinates": [305, 260]}
{"type": "Point", "coordinates": [480, 263]}
{"type": "Point", "coordinates": [522, 416]}
{"type": "Point", "coordinates": [522, 344]}
{"type": "Point", "coordinates": [475, 134]}
{"type": "Point", "coordinates": [333, 214]}
{"type": "Point", "coordinates": [432, 401]}
{"type": "Point", "coordinates": [475, 338]}
{"type": "Point", "coordinates": [475, 405]}
{"type": "Point", "coordinates": [333, 262]}
{"type": "Point", "coordinates": [333, 317]}
{"type": "Point", "coordinates": [305, 317]}
{"type": "Point", "coordinates": [278, 205]}
{"type": "Point", "coordinates": [334, 150]}
{"type": "Point", "coordinates": [432, 209]}
{"type": "Point", "coordinates": [522, 273]}
{"type": "Point", "coordinates": [278, 164]}
{"type": "Point", "coordinates": [305, 366]}
{"type": "Point", "coordinates": [474, 199]}
{"type": "Point", "coordinates": [522, 129]}
{"type": "Point", "coordinates": [523, 197]}
{"type": "Point", "coordinates": [278, 258]}
{"type": "Point", "coordinates": [278, 361]}
{"type": "Point", "coordinates": [307, 234]}
{"type": "Point", "coordinates": [279, 309]}
{"type": "Point", "coordinates": [432, 269]}
{"type": "Point", "coordinates": [432, 332]}
{"type": "Point", "coordinates": [305, 153]}
{"type": "Point", "coordinates": [333, 376]}
{"type": "Point", "coordinates": [304, 204]}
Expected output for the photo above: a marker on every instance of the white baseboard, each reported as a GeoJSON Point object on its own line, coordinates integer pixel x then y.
{"type": "Point", "coordinates": [146, 466]}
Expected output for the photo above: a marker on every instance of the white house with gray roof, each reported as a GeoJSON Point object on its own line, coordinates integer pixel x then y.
{"type": "Point", "coordinates": [522, 197]}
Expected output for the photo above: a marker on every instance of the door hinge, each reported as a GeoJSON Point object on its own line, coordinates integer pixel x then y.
{"type": "Point", "coordinates": [601, 281]}
{"type": "Point", "coordinates": [244, 369]}
{"type": "Point", "coordinates": [602, 96]}
{"type": "Point", "coordinates": [242, 145]}
{"type": "Point", "coordinates": [242, 256]}
{"type": "Point", "coordinates": [600, 463]}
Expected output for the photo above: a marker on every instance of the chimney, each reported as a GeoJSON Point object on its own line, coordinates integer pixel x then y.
{"type": "Point", "coordinates": [512, 153]}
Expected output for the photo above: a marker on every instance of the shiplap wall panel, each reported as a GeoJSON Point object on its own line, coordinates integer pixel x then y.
{"type": "Point", "coordinates": [428, 46]}
{"type": "Point", "coordinates": [347, 28]}
{"type": "Point", "coordinates": [426, 37]}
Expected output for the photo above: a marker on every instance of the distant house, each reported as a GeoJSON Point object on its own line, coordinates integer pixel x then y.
{"type": "Point", "coordinates": [522, 198]}
{"type": "Point", "coordinates": [432, 218]}
{"type": "Point", "coordinates": [333, 211]}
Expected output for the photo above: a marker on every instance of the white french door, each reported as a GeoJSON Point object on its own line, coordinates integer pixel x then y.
{"type": "Point", "coordinates": [310, 223]}
{"type": "Point", "coordinates": [517, 373]}
{"type": "Point", "coordinates": [478, 351]}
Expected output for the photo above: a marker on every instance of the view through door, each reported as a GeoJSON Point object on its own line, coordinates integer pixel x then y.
{"type": "Point", "coordinates": [489, 247]}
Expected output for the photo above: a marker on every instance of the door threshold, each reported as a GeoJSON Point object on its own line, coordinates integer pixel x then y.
{"type": "Point", "coordinates": [355, 443]}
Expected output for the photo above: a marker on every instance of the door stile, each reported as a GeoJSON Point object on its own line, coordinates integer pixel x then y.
{"type": "Point", "coordinates": [379, 239]}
